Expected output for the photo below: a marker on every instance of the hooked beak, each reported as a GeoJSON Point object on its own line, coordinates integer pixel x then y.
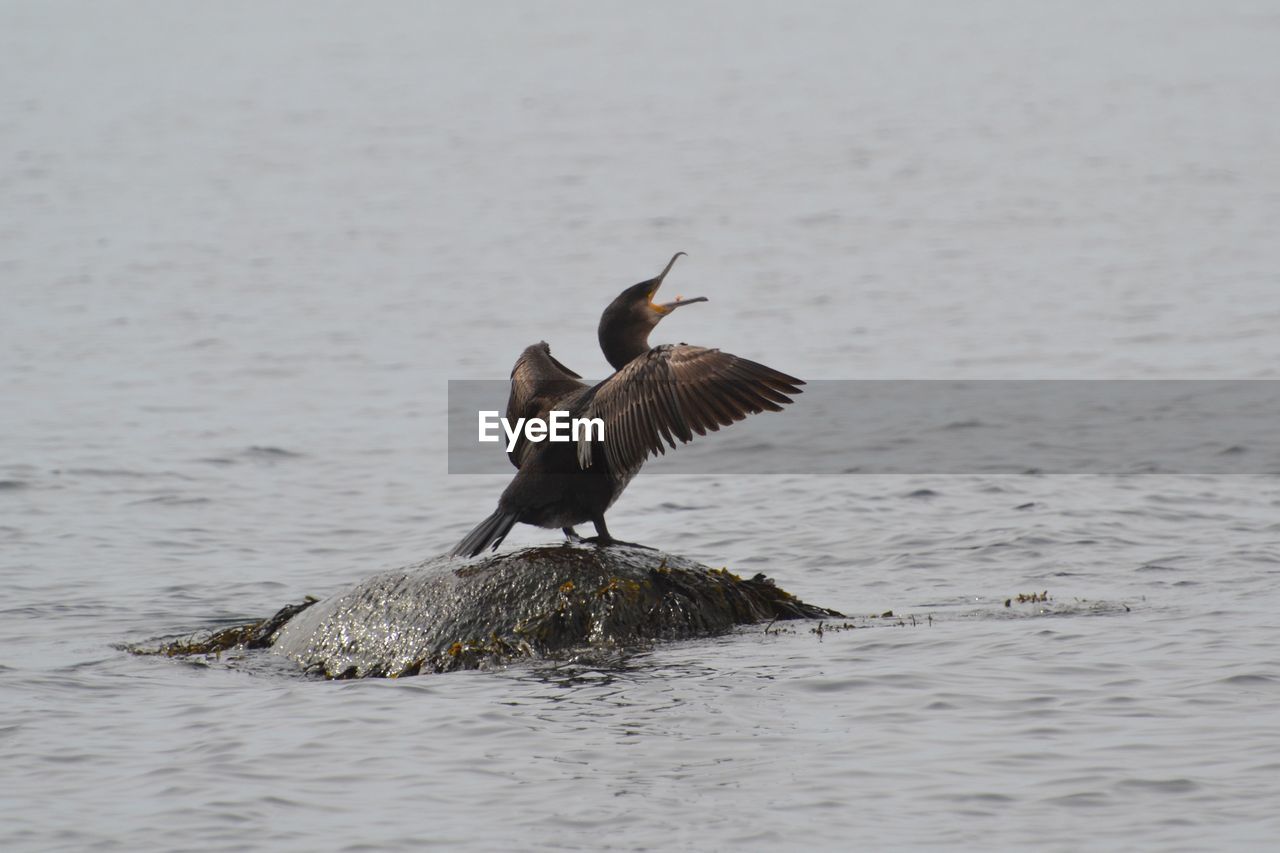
{"type": "Point", "coordinates": [668, 307]}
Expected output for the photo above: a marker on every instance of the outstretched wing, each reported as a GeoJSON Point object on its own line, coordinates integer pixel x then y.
{"type": "Point", "coordinates": [673, 392]}
{"type": "Point", "coordinates": [538, 380]}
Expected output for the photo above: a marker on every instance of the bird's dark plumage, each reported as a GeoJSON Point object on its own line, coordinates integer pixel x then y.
{"type": "Point", "coordinates": [538, 381]}
{"type": "Point", "coordinates": [656, 398]}
{"type": "Point", "coordinates": [672, 392]}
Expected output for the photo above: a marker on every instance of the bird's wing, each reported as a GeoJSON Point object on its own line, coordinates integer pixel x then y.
{"type": "Point", "coordinates": [538, 380]}
{"type": "Point", "coordinates": [673, 392]}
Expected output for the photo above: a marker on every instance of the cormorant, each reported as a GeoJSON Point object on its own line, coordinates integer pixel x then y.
{"type": "Point", "coordinates": [661, 394]}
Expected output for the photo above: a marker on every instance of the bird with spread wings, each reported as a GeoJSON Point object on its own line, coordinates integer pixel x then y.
{"type": "Point", "coordinates": [657, 397]}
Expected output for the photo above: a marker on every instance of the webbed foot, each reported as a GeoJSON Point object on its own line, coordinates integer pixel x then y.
{"type": "Point", "coordinates": [608, 541]}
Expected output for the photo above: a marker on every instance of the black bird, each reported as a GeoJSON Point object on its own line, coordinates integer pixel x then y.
{"type": "Point", "coordinates": [656, 395]}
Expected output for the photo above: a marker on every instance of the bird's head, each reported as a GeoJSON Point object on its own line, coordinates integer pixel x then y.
{"type": "Point", "coordinates": [637, 305]}
{"type": "Point", "coordinates": [626, 323]}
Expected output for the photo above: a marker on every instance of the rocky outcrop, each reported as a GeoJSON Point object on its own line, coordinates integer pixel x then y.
{"type": "Point", "coordinates": [538, 602]}
{"type": "Point", "coordinates": [446, 614]}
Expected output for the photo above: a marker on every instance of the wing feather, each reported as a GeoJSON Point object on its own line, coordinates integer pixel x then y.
{"type": "Point", "coordinates": [672, 393]}
{"type": "Point", "coordinates": [539, 383]}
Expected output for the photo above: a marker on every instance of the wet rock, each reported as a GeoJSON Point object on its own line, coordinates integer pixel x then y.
{"type": "Point", "coordinates": [537, 602]}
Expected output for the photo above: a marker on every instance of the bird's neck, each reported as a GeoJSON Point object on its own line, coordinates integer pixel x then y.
{"type": "Point", "coordinates": [623, 342]}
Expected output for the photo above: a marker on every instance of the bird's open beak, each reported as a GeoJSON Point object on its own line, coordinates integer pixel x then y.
{"type": "Point", "coordinates": [668, 307]}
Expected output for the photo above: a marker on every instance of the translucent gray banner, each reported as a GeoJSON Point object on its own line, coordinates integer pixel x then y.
{"type": "Point", "coordinates": [957, 427]}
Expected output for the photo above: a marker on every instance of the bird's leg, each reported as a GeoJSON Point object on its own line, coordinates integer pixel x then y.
{"type": "Point", "coordinates": [603, 539]}
{"type": "Point", "coordinates": [571, 535]}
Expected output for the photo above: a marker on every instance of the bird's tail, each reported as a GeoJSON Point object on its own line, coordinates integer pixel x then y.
{"type": "Point", "coordinates": [489, 532]}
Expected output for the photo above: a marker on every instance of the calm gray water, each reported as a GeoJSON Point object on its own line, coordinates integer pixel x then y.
{"type": "Point", "coordinates": [244, 246]}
